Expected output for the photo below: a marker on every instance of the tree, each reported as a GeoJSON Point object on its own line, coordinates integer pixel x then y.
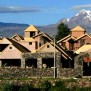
{"type": "Point", "coordinates": [63, 31]}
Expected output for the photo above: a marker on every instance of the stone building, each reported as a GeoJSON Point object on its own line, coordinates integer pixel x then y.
{"type": "Point", "coordinates": [77, 38]}
{"type": "Point", "coordinates": [37, 51]}
{"type": "Point", "coordinates": [10, 53]}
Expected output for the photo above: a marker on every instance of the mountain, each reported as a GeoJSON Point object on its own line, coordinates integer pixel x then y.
{"type": "Point", "coordinates": [9, 29]}
{"type": "Point", "coordinates": [82, 18]}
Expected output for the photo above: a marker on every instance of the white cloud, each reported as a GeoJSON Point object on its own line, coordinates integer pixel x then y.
{"type": "Point", "coordinates": [15, 9]}
{"type": "Point", "coordinates": [81, 6]}
{"type": "Point", "coordinates": [52, 10]}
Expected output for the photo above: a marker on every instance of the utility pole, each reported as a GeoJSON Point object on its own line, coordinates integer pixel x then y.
{"type": "Point", "coordinates": [54, 58]}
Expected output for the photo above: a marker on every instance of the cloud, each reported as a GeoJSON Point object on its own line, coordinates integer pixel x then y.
{"type": "Point", "coordinates": [14, 9]}
{"type": "Point", "coordinates": [81, 6]}
{"type": "Point", "coordinates": [52, 10]}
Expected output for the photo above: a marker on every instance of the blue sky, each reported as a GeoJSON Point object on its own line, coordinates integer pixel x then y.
{"type": "Point", "coordinates": [40, 12]}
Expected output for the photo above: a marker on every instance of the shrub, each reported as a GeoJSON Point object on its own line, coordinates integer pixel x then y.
{"type": "Point", "coordinates": [59, 86]}
{"type": "Point", "coordinates": [58, 89]}
{"type": "Point", "coordinates": [26, 87]}
{"type": "Point", "coordinates": [75, 88]}
{"type": "Point", "coordinates": [10, 87]}
{"type": "Point", "coordinates": [71, 80]}
{"type": "Point", "coordinates": [44, 86]}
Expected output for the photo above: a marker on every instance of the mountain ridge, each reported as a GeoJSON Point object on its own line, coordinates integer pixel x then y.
{"type": "Point", "coordinates": [82, 18]}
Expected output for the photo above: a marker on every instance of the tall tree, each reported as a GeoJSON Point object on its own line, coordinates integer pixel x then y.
{"type": "Point", "coordinates": [63, 31]}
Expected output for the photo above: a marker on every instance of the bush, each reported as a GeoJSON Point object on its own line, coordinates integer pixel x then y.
{"type": "Point", "coordinates": [71, 80]}
{"type": "Point", "coordinates": [81, 89]}
{"type": "Point", "coordinates": [10, 87]}
{"type": "Point", "coordinates": [44, 86]}
{"type": "Point", "coordinates": [25, 87]}
{"type": "Point", "coordinates": [58, 89]}
{"type": "Point", "coordinates": [59, 86]}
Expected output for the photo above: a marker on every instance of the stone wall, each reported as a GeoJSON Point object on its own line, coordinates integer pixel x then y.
{"type": "Point", "coordinates": [15, 73]}
{"type": "Point", "coordinates": [70, 72]}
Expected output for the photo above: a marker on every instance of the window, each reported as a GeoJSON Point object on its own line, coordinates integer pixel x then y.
{"type": "Point", "coordinates": [32, 34]}
{"type": "Point", "coordinates": [30, 43]}
{"type": "Point", "coordinates": [36, 44]}
{"type": "Point", "coordinates": [39, 44]}
{"type": "Point", "coordinates": [87, 43]}
{"type": "Point", "coordinates": [10, 47]}
{"type": "Point", "coordinates": [71, 46]}
{"type": "Point", "coordinates": [82, 42]}
{"type": "Point", "coordinates": [63, 44]}
{"type": "Point", "coordinates": [48, 46]}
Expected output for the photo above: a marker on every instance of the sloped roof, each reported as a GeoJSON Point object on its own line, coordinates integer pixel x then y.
{"type": "Point", "coordinates": [18, 46]}
{"type": "Point", "coordinates": [5, 41]}
{"type": "Point", "coordinates": [3, 46]}
{"type": "Point", "coordinates": [59, 48]}
{"type": "Point", "coordinates": [72, 38]}
{"type": "Point", "coordinates": [89, 34]}
{"type": "Point", "coordinates": [16, 35]}
{"type": "Point", "coordinates": [84, 48]}
{"type": "Point", "coordinates": [11, 52]}
{"type": "Point", "coordinates": [77, 28]}
{"type": "Point", "coordinates": [29, 39]}
{"type": "Point", "coordinates": [83, 36]}
{"type": "Point", "coordinates": [68, 36]}
{"type": "Point", "coordinates": [43, 34]}
{"type": "Point", "coordinates": [31, 28]}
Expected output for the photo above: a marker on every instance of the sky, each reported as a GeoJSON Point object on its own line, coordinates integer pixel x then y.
{"type": "Point", "coordinates": [40, 12]}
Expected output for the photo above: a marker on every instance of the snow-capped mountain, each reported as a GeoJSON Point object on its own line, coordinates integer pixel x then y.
{"type": "Point", "coordinates": [83, 18]}
{"type": "Point", "coordinates": [86, 14]}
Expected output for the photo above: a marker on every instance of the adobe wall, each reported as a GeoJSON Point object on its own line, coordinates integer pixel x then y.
{"type": "Point", "coordinates": [77, 33]}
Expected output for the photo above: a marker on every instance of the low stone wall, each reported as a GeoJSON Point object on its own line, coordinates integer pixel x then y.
{"type": "Point", "coordinates": [70, 72]}
{"type": "Point", "coordinates": [16, 73]}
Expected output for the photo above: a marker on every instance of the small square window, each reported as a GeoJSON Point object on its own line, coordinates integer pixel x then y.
{"type": "Point", "coordinates": [48, 46]}
{"type": "Point", "coordinates": [10, 47]}
{"type": "Point", "coordinates": [30, 43]}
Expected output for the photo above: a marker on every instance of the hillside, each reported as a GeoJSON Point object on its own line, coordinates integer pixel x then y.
{"type": "Point", "coordinates": [82, 18]}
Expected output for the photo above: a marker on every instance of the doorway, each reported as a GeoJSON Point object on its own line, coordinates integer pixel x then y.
{"type": "Point", "coordinates": [86, 68]}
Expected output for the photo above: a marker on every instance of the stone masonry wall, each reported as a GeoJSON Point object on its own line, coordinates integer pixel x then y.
{"type": "Point", "coordinates": [15, 73]}
{"type": "Point", "coordinates": [70, 72]}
